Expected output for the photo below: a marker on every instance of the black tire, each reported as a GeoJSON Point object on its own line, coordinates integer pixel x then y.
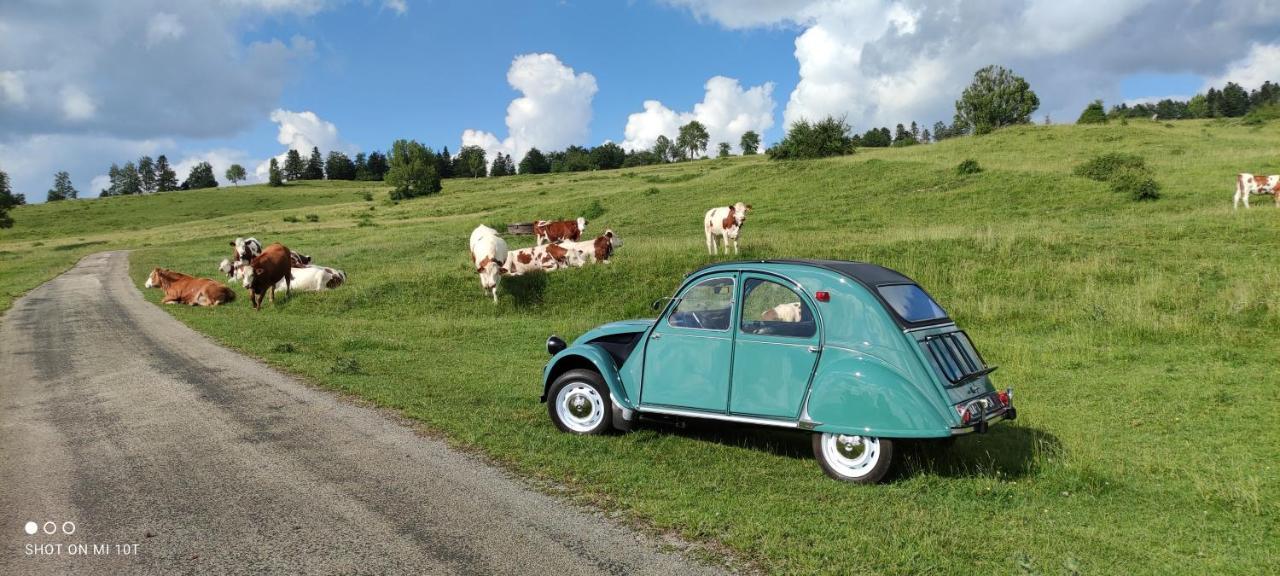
{"type": "Point", "coordinates": [583, 412]}
{"type": "Point", "coordinates": [864, 473]}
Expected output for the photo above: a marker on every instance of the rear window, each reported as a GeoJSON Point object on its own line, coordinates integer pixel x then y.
{"type": "Point", "coordinates": [911, 303]}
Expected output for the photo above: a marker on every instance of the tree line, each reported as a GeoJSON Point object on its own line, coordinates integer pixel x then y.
{"type": "Point", "coordinates": [1232, 101]}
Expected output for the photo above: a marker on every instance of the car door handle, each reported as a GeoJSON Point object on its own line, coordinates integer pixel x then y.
{"type": "Point", "coordinates": [814, 349]}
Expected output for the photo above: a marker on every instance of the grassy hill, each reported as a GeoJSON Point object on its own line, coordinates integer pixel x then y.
{"type": "Point", "coordinates": [1141, 339]}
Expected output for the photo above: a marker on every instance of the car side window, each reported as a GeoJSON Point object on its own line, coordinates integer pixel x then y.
{"type": "Point", "coordinates": [708, 305]}
{"type": "Point", "coordinates": [773, 309]}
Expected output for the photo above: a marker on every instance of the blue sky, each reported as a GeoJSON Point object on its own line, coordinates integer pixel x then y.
{"type": "Point", "coordinates": [242, 80]}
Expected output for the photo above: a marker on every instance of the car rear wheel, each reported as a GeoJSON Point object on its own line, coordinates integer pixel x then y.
{"type": "Point", "coordinates": [579, 403]}
{"type": "Point", "coordinates": [849, 458]}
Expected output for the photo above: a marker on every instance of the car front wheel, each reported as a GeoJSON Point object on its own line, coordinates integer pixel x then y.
{"type": "Point", "coordinates": [849, 458]}
{"type": "Point", "coordinates": [579, 403]}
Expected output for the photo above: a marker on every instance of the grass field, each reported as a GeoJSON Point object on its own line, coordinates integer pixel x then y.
{"type": "Point", "coordinates": [1141, 339]}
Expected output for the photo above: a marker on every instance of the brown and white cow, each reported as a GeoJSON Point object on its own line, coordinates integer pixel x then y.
{"type": "Point", "coordinates": [312, 278]}
{"type": "Point", "coordinates": [785, 312]}
{"type": "Point", "coordinates": [180, 288]}
{"type": "Point", "coordinates": [599, 249]}
{"type": "Point", "coordinates": [725, 222]}
{"type": "Point", "coordinates": [265, 270]}
{"type": "Point", "coordinates": [1250, 185]}
{"type": "Point", "coordinates": [488, 255]}
{"type": "Point", "coordinates": [545, 258]}
{"type": "Point", "coordinates": [244, 249]}
{"type": "Point", "coordinates": [550, 232]}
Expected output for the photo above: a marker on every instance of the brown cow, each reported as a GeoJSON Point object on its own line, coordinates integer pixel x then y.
{"type": "Point", "coordinates": [550, 232]}
{"type": "Point", "coordinates": [180, 288]}
{"type": "Point", "coordinates": [265, 270]}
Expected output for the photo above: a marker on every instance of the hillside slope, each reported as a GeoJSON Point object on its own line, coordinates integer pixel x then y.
{"type": "Point", "coordinates": [1140, 338]}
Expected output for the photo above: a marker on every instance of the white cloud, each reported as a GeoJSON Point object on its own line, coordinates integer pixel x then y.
{"type": "Point", "coordinates": [1260, 65]}
{"type": "Point", "coordinates": [881, 62]}
{"type": "Point", "coordinates": [32, 161]}
{"type": "Point", "coordinates": [76, 105]}
{"type": "Point", "coordinates": [163, 27]}
{"type": "Point", "coordinates": [12, 89]}
{"type": "Point", "coordinates": [302, 131]}
{"type": "Point", "coordinates": [219, 158]}
{"type": "Point", "coordinates": [727, 110]}
{"type": "Point", "coordinates": [397, 6]}
{"type": "Point", "coordinates": [553, 112]}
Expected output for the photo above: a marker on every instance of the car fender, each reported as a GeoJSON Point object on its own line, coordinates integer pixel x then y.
{"type": "Point", "coordinates": [857, 393]}
{"type": "Point", "coordinates": [587, 356]}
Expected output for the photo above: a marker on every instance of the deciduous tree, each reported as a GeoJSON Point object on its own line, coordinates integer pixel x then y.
{"type": "Point", "coordinates": [7, 201]}
{"type": "Point", "coordinates": [534, 162]}
{"type": "Point", "coordinates": [749, 143]}
{"type": "Point", "coordinates": [471, 159]}
{"type": "Point", "coordinates": [201, 176]}
{"type": "Point", "coordinates": [235, 173]}
{"type": "Point", "coordinates": [724, 150]}
{"type": "Point", "coordinates": [412, 170]}
{"type": "Point", "coordinates": [996, 98]}
{"type": "Point", "coordinates": [693, 138]}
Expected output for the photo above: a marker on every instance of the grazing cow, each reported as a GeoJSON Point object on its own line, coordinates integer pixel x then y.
{"type": "Point", "coordinates": [727, 223]}
{"type": "Point", "coordinates": [546, 258]}
{"type": "Point", "coordinates": [265, 270]}
{"type": "Point", "coordinates": [1250, 185]}
{"type": "Point", "coordinates": [488, 255]}
{"type": "Point", "coordinates": [180, 288]}
{"type": "Point", "coordinates": [588, 251]}
{"type": "Point", "coordinates": [246, 249]}
{"type": "Point", "coordinates": [551, 232]}
{"type": "Point", "coordinates": [786, 312]}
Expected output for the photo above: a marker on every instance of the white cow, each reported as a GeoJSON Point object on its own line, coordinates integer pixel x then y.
{"type": "Point", "coordinates": [599, 249]}
{"type": "Point", "coordinates": [1249, 185]}
{"type": "Point", "coordinates": [313, 278]}
{"type": "Point", "coordinates": [488, 254]}
{"type": "Point", "coordinates": [786, 312]}
{"type": "Point", "coordinates": [725, 222]}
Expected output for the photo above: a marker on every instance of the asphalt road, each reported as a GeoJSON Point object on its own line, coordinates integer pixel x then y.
{"type": "Point", "coordinates": [119, 419]}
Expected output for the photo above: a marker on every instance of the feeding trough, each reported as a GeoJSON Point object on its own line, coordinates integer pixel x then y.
{"type": "Point", "coordinates": [520, 228]}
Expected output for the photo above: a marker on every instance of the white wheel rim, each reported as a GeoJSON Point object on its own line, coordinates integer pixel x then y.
{"type": "Point", "coordinates": [580, 407]}
{"type": "Point", "coordinates": [851, 456]}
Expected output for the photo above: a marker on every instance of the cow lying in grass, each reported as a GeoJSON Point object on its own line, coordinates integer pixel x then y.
{"type": "Point", "coordinates": [488, 254]}
{"type": "Point", "coordinates": [725, 222]}
{"type": "Point", "coordinates": [180, 288]}
{"type": "Point", "coordinates": [599, 249]}
{"type": "Point", "coordinates": [1253, 185]}
{"type": "Point", "coordinates": [310, 278]}
{"type": "Point", "coordinates": [544, 257]}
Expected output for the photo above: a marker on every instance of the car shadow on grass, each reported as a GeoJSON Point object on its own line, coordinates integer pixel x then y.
{"type": "Point", "coordinates": [1007, 451]}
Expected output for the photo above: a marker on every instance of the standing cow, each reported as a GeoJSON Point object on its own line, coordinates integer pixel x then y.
{"type": "Point", "coordinates": [488, 254]}
{"type": "Point", "coordinates": [1249, 185]}
{"type": "Point", "coordinates": [265, 270]}
{"type": "Point", "coordinates": [552, 232]}
{"type": "Point", "coordinates": [725, 222]}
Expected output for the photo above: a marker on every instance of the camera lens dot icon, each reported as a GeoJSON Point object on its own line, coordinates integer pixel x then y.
{"type": "Point", "coordinates": [31, 528]}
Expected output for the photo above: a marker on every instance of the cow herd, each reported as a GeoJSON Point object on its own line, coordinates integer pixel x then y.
{"type": "Point", "coordinates": [559, 245]}
{"type": "Point", "coordinates": [259, 270]}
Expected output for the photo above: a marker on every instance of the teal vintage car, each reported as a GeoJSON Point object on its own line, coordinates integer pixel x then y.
{"type": "Point", "coordinates": [856, 353]}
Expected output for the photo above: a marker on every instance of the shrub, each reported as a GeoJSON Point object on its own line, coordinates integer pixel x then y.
{"type": "Point", "coordinates": [291, 218]}
{"type": "Point", "coordinates": [313, 218]}
{"type": "Point", "coordinates": [1135, 183]}
{"type": "Point", "coordinates": [1262, 114]}
{"type": "Point", "coordinates": [1104, 166]}
{"type": "Point", "coordinates": [368, 196]}
{"type": "Point", "coordinates": [346, 365]}
{"type": "Point", "coordinates": [595, 210]}
{"type": "Point", "coordinates": [1094, 113]}
{"type": "Point", "coordinates": [830, 137]}
{"type": "Point", "coordinates": [284, 348]}
{"type": "Point", "coordinates": [969, 166]}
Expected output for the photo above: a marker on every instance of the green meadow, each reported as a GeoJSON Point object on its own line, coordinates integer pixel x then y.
{"type": "Point", "coordinates": [1142, 339]}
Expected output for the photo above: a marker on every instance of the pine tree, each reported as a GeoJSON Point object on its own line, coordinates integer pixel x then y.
{"type": "Point", "coordinates": [377, 164]}
{"type": "Point", "coordinates": [166, 178]}
{"type": "Point", "coordinates": [7, 201]}
{"type": "Point", "coordinates": [130, 182]}
{"type": "Point", "coordinates": [444, 163]}
{"type": "Point", "coordinates": [915, 131]}
{"type": "Point", "coordinates": [147, 174]}
{"type": "Point", "coordinates": [314, 169]}
{"type": "Point", "coordinates": [293, 165]}
{"type": "Point", "coordinates": [274, 174]}
{"type": "Point", "coordinates": [113, 182]}
{"type": "Point", "coordinates": [499, 168]}
{"type": "Point", "coordinates": [362, 166]}
{"type": "Point", "coordinates": [62, 188]}
{"type": "Point", "coordinates": [925, 137]}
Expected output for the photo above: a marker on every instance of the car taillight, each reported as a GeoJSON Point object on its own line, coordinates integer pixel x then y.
{"type": "Point", "coordinates": [965, 413]}
{"type": "Point", "coordinates": [1004, 397]}
{"type": "Point", "coordinates": [822, 296]}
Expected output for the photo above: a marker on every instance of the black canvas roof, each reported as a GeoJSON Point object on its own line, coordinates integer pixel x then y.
{"type": "Point", "coordinates": [867, 274]}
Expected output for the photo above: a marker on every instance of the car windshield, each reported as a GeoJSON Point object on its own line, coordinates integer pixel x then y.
{"type": "Point", "coordinates": [911, 303]}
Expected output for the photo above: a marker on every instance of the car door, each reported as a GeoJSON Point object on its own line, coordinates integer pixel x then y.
{"type": "Point", "coordinates": [778, 341]}
{"type": "Point", "coordinates": [689, 351]}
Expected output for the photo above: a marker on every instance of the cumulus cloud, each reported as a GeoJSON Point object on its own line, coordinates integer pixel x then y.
{"type": "Point", "coordinates": [164, 27]}
{"type": "Point", "coordinates": [219, 158]}
{"type": "Point", "coordinates": [302, 131]}
{"type": "Point", "coordinates": [880, 62]}
{"type": "Point", "coordinates": [1260, 65]}
{"type": "Point", "coordinates": [397, 6]}
{"type": "Point", "coordinates": [553, 112]}
{"type": "Point", "coordinates": [727, 110]}
{"type": "Point", "coordinates": [31, 162]}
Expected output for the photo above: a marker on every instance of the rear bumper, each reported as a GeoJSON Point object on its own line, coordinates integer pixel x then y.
{"type": "Point", "coordinates": [981, 426]}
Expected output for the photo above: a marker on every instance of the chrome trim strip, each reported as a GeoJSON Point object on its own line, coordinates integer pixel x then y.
{"type": "Point", "coordinates": [931, 327]}
{"type": "Point", "coordinates": [715, 416]}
